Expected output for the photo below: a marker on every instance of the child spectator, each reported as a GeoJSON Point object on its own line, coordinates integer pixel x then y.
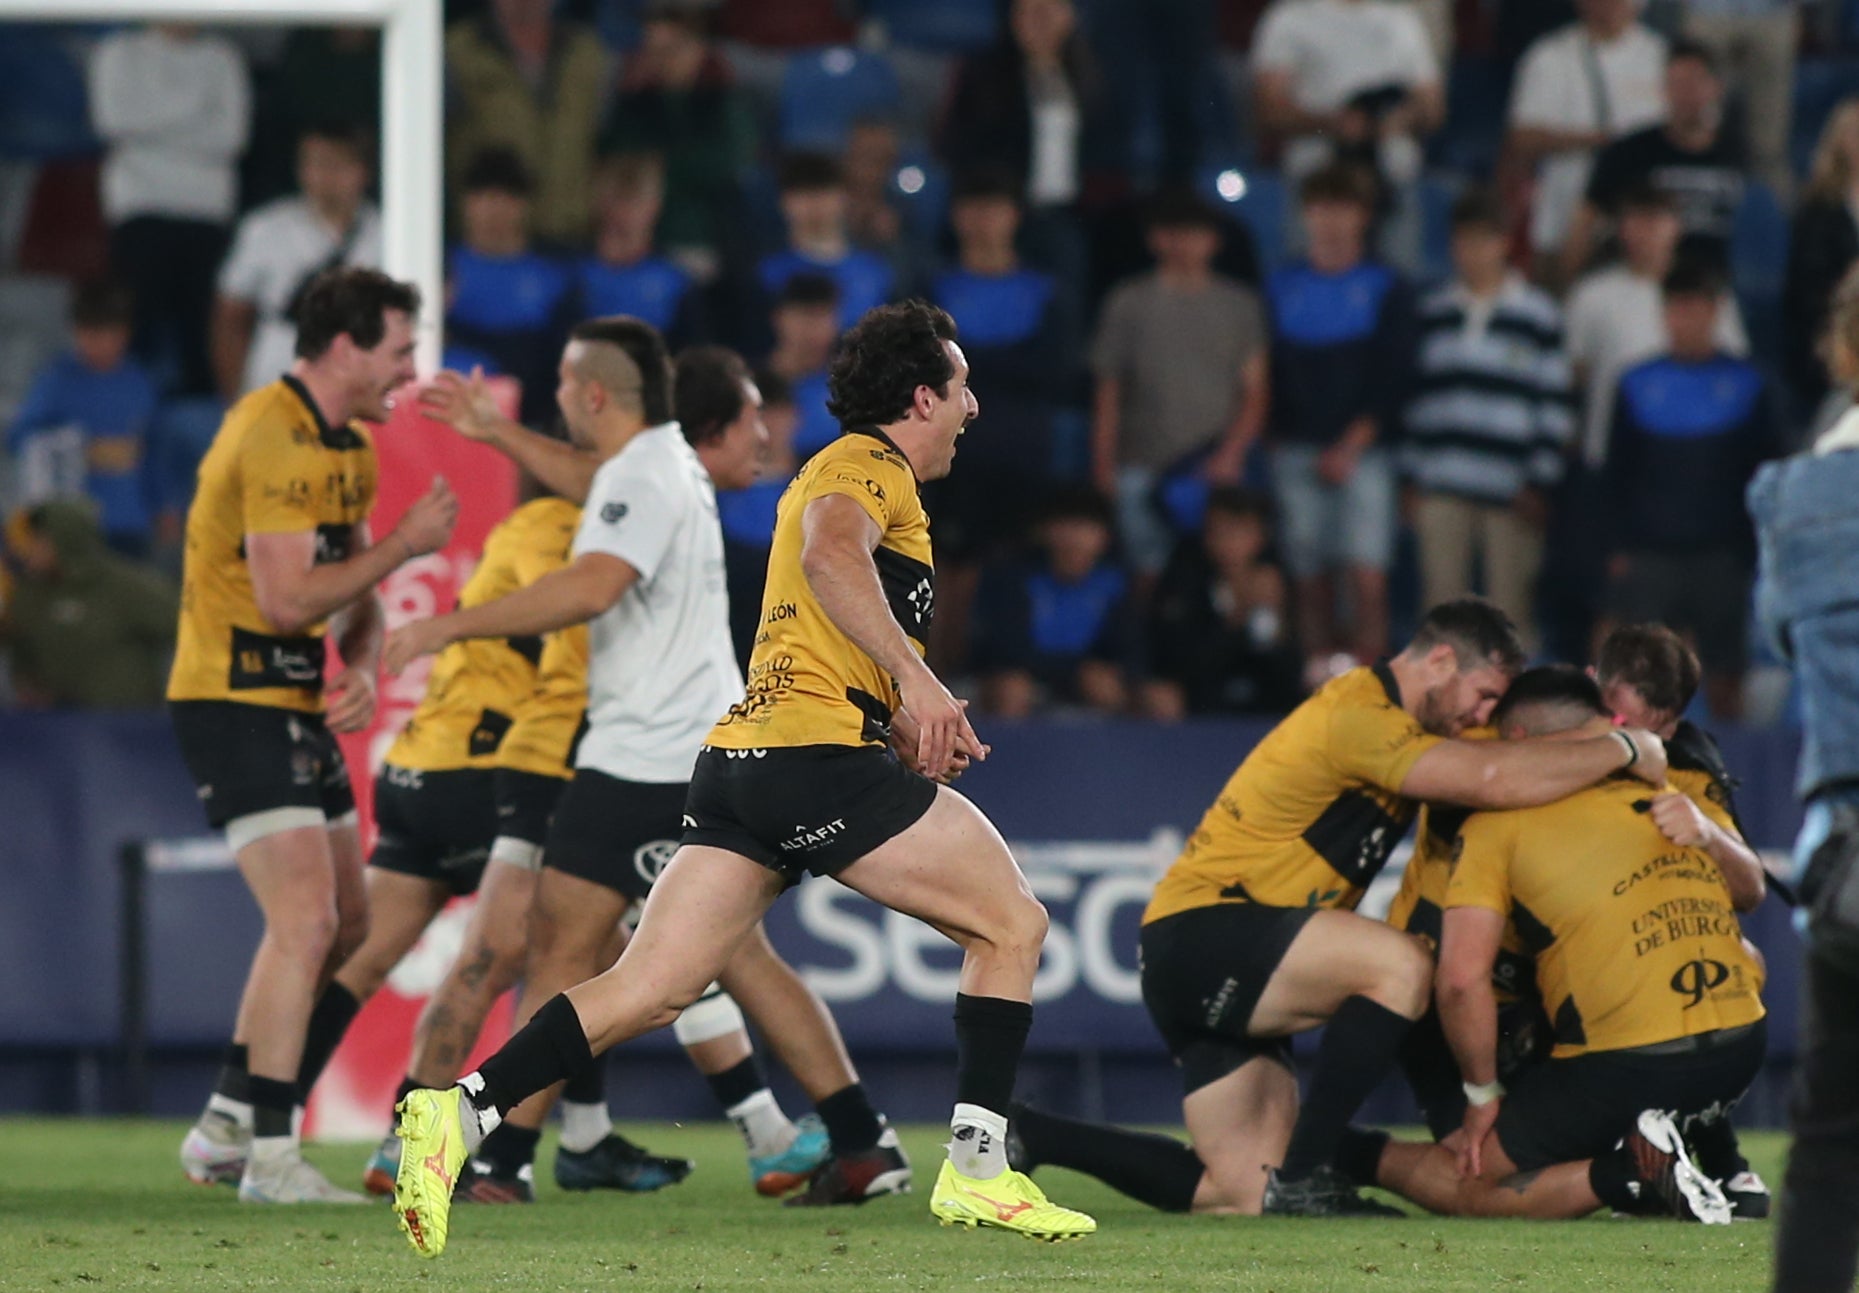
{"type": "Point", "coordinates": [1055, 628]}
{"type": "Point", "coordinates": [1220, 628]}
{"type": "Point", "coordinates": [806, 328]}
{"type": "Point", "coordinates": [1488, 423]}
{"type": "Point", "coordinates": [1690, 429]}
{"type": "Point", "coordinates": [83, 426]}
{"type": "Point", "coordinates": [748, 515]}
{"type": "Point", "coordinates": [84, 628]}
{"type": "Point", "coordinates": [1180, 361]}
{"type": "Point", "coordinates": [508, 307]}
{"type": "Point", "coordinates": [284, 244]}
{"type": "Point", "coordinates": [813, 203]}
{"type": "Point", "coordinates": [1342, 357]}
{"type": "Point", "coordinates": [624, 275]}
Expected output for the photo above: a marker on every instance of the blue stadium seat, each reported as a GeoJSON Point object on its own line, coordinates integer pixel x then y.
{"type": "Point", "coordinates": [44, 105]}
{"type": "Point", "coordinates": [944, 27]}
{"type": "Point", "coordinates": [921, 190]}
{"type": "Point", "coordinates": [1255, 196]}
{"type": "Point", "coordinates": [1759, 242]}
{"type": "Point", "coordinates": [826, 90]}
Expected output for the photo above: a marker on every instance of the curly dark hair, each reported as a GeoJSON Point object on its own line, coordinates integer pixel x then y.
{"type": "Point", "coordinates": [884, 358]}
{"type": "Point", "coordinates": [707, 391]}
{"type": "Point", "coordinates": [354, 300]}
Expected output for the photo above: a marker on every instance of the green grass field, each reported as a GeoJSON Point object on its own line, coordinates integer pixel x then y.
{"type": "Point", "coordinates": [102, 1205]}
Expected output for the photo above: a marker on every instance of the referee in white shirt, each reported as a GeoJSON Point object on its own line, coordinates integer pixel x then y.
{"type": "Point", "coordinates": [284, 244]}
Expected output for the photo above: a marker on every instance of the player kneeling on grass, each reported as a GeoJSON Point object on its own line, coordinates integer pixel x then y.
{"type": "Point", "coordinates": [1657, 1023]}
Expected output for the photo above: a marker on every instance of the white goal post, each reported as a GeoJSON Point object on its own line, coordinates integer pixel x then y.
{"type": "Point", "coordinates": [412, 108]}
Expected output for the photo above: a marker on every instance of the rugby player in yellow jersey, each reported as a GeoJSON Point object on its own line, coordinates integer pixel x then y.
{"type": "Point", "coordinates": [605, 845]}
{"type": "Point", "coordinates": [279, 554]}
{"type": "Point", "coordinates": [1653, 997]}
{"type": "Point", "coordinates": [801, 775]}
{"type": "Point", "coordinates": [1648, 676]}
{"type": "Point", "coordinates": [1251, 937]}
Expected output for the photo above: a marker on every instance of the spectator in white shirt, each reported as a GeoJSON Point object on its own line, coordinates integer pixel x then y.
{"type": "Point", "coordinates": [1352, 80]}
{"type": "Point", "coordinates": [1578, 88]}
{"type": "Point", "coordinates": [284, 244]}
{"type": "Point", "coordinates": [174, 107]}
{"type": "Point", "coordinates": [1616, 316]}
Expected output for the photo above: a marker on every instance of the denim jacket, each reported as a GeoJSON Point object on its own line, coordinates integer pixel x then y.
{"type": "Point", "coordinates": [1806, 511]}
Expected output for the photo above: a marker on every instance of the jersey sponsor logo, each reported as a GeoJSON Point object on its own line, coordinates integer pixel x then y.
{"type": "Point", "coordinates": [403, 778]}
{"type": "Point", "coordinates": [334, 543]}
{"type": "Point", "coordinates": [1698, 979]}
{"type": "Point", "coordinates": [261, 661]}
{"type": "Point", "coordinates": [1355, 835]}
{"type": "Point", "coordinates": [781, 611]}
{"type": "Point", "coordinates": [613, 513]}
{"type": "Point", "coordinates": [745, 754]}
{"type": "Point", "coordinates": [651, 859]}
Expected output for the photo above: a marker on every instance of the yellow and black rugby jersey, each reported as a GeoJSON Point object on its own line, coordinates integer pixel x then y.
{"type": "Point", "coordinates": [549, 724]}
{"type": "Point", "coordinates": [274, 468]}
{"type": "Point", "coordinates": [1634, 939]}
{"type": "Point", "coordinates": [1419, 907]}
{"type": "Point", "coordinates": [476, 687]}
{"type": "Point", "coordinates": [1695, 767]}
{"type": "Point", "coordinates": [809, 684]}
{"type": "Point", "coordinates": [1313, 812]}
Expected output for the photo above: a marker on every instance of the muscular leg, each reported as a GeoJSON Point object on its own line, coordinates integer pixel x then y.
{"type": "Point", "coordinates": [795, 1024]}
{"type": "Point", "coordinates": [1237, 1126]}
{"type": "Point", "coordinates": [400, 908]}
{"type": "Point", "coordinates": [1429, 1175]}
{"type": "Point", "coordinates": [292, 876]}
{"type": "Point", "coordinates": [488, 965]}
{"type": "Point", "coordinates": [1369, 983]}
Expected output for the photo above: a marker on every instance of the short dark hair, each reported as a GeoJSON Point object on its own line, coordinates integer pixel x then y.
{"type": "Point", "coordinates": [809, 289]}
{"type": "Point", "coordinates": [352, 135]}
{"type": "Point", "coordinates": [1479, 633]}
{"type": "Point", "coordinates": [1654, 661]}
{"type": "Point", "coordinates": [1560, 685]}
{"type": "Point", "coordinates": [354, 300]}
{"type": "Point", "coordinates": [498, 170]}
{"type": "Point", "coordinates": [707, 391]}
{"type": "Point", "coordinates": [1645, 195]}
{"type": "Point", "coordinates": [642, 344]}
{"type": "Point", "coordinates": [1077, 503]}
{"type": "Point", "coordinates": [1697, 52]}
{"type": "Point", "coordinates": [1478, 208]}
{"type": "Point", "coordinates": [1692, 276]}
{"type": "Point", "coordinates": [808, 171]}
{"type": "Point", "coordinates": [777, 391]}
{"type": "Point", "coordinates": [1180, 207]}
{"type": "Point", "coordinates": [102, 303]}
{"type": "Point", "coordinates": [983, 183]}
{"type": "Point", "coordinates": [1340, 182]}
{"type": "Point", "coordinates": [1239, 501]}
{"type": "Point", "coordinates": [884, 358]}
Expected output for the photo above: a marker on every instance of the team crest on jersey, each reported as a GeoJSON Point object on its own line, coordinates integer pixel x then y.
{"type": "Point", "coordinates": [613, 513]}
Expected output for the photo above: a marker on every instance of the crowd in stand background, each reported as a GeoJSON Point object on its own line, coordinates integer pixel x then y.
{"type": "Point", "coordinates": [1286, 319]}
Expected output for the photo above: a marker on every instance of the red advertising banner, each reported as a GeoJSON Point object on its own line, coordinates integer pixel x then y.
{"type": "Point", "coordinates": [352, 1102]}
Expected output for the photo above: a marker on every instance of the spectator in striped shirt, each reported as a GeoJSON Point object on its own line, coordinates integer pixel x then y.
{"type": "Point", "coordinates": [1488, 422]}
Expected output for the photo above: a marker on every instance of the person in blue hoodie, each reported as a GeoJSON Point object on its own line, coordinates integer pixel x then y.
{"type": "Point", "coordinates": [1343, 335]}
{"type": "Point", "coordinates": [83, 426]}
{"type": "Point", "coordinates": [1690, 427]}
{"type": "Point", "coordinates": [508, 305]}
{"type": "Point", "coordinates": [625, 274]}
{"type": "Point", "coordinates": [1806, 513]}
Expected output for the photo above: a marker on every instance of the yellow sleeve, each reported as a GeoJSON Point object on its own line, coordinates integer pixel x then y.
{"type": "Point", "coordinates": [872, 479]}
{"type": "Point", "coordinates": [542, 546]}
{"type": "Point", "coordinates": [1481, 874]}
{"type": "Point", "coordinates": [1714, 803]}
{"type": "Point", "coordinates": [1377, 743]}
{"type": "Point", "coordinates": [280, 479]}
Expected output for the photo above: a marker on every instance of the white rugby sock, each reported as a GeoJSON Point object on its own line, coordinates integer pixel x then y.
{"type": "Point", "coordinates": [765, 1128]}
{"type": "Point", "coordinates": [240, 1111]}
{"type": "Point", "coordinates": [978, 1146]}
{"type": "Point", "coordinates": [479, 1122]}
{"type": "Point", "coordinates": [584, 1125]}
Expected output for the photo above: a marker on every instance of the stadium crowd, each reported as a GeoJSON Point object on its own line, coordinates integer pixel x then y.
{"type": "Point", "coordinates": [1287, 318]}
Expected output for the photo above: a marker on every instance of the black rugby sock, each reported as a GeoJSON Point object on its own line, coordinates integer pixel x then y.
{"type": "Point", "coordinates": [588, 1085]}
{"type": "Point", "coordinates": [1717, 1153]}
{"type": "Point", "coordinates": [851, 1123]}
{"type": "Point", "coordinates": [1615, 1180]}
{"type": "Point", "coordinates": [1359, 1156]}
{"type": "Point", "coordinates": [550, 1048]}
{"type": "Point", "coordinates": [335, 1010]}
{"type": "Point", "coordinates": [990, 1034]}
{"type": "Point", "coordinates": [235, 1077]}
{"type": "Point", "coordinates": [273, 1102]}
{"type": "Point", "coordinates": [1360, 1044]}
{"type": "Point", "coordinates": [737, 1083]}
{"type": "Point", "coordinates": [509, 1149]}
{"type": "Point", "coordinates": [1157, 1170]}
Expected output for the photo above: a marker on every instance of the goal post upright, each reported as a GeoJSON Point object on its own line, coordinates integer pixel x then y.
{"type": "Point", "coordinates": [412, 111]}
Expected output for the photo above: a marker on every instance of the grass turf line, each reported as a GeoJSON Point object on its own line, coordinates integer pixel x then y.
{"type": "Point", "coordinates": [96, 1205]}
